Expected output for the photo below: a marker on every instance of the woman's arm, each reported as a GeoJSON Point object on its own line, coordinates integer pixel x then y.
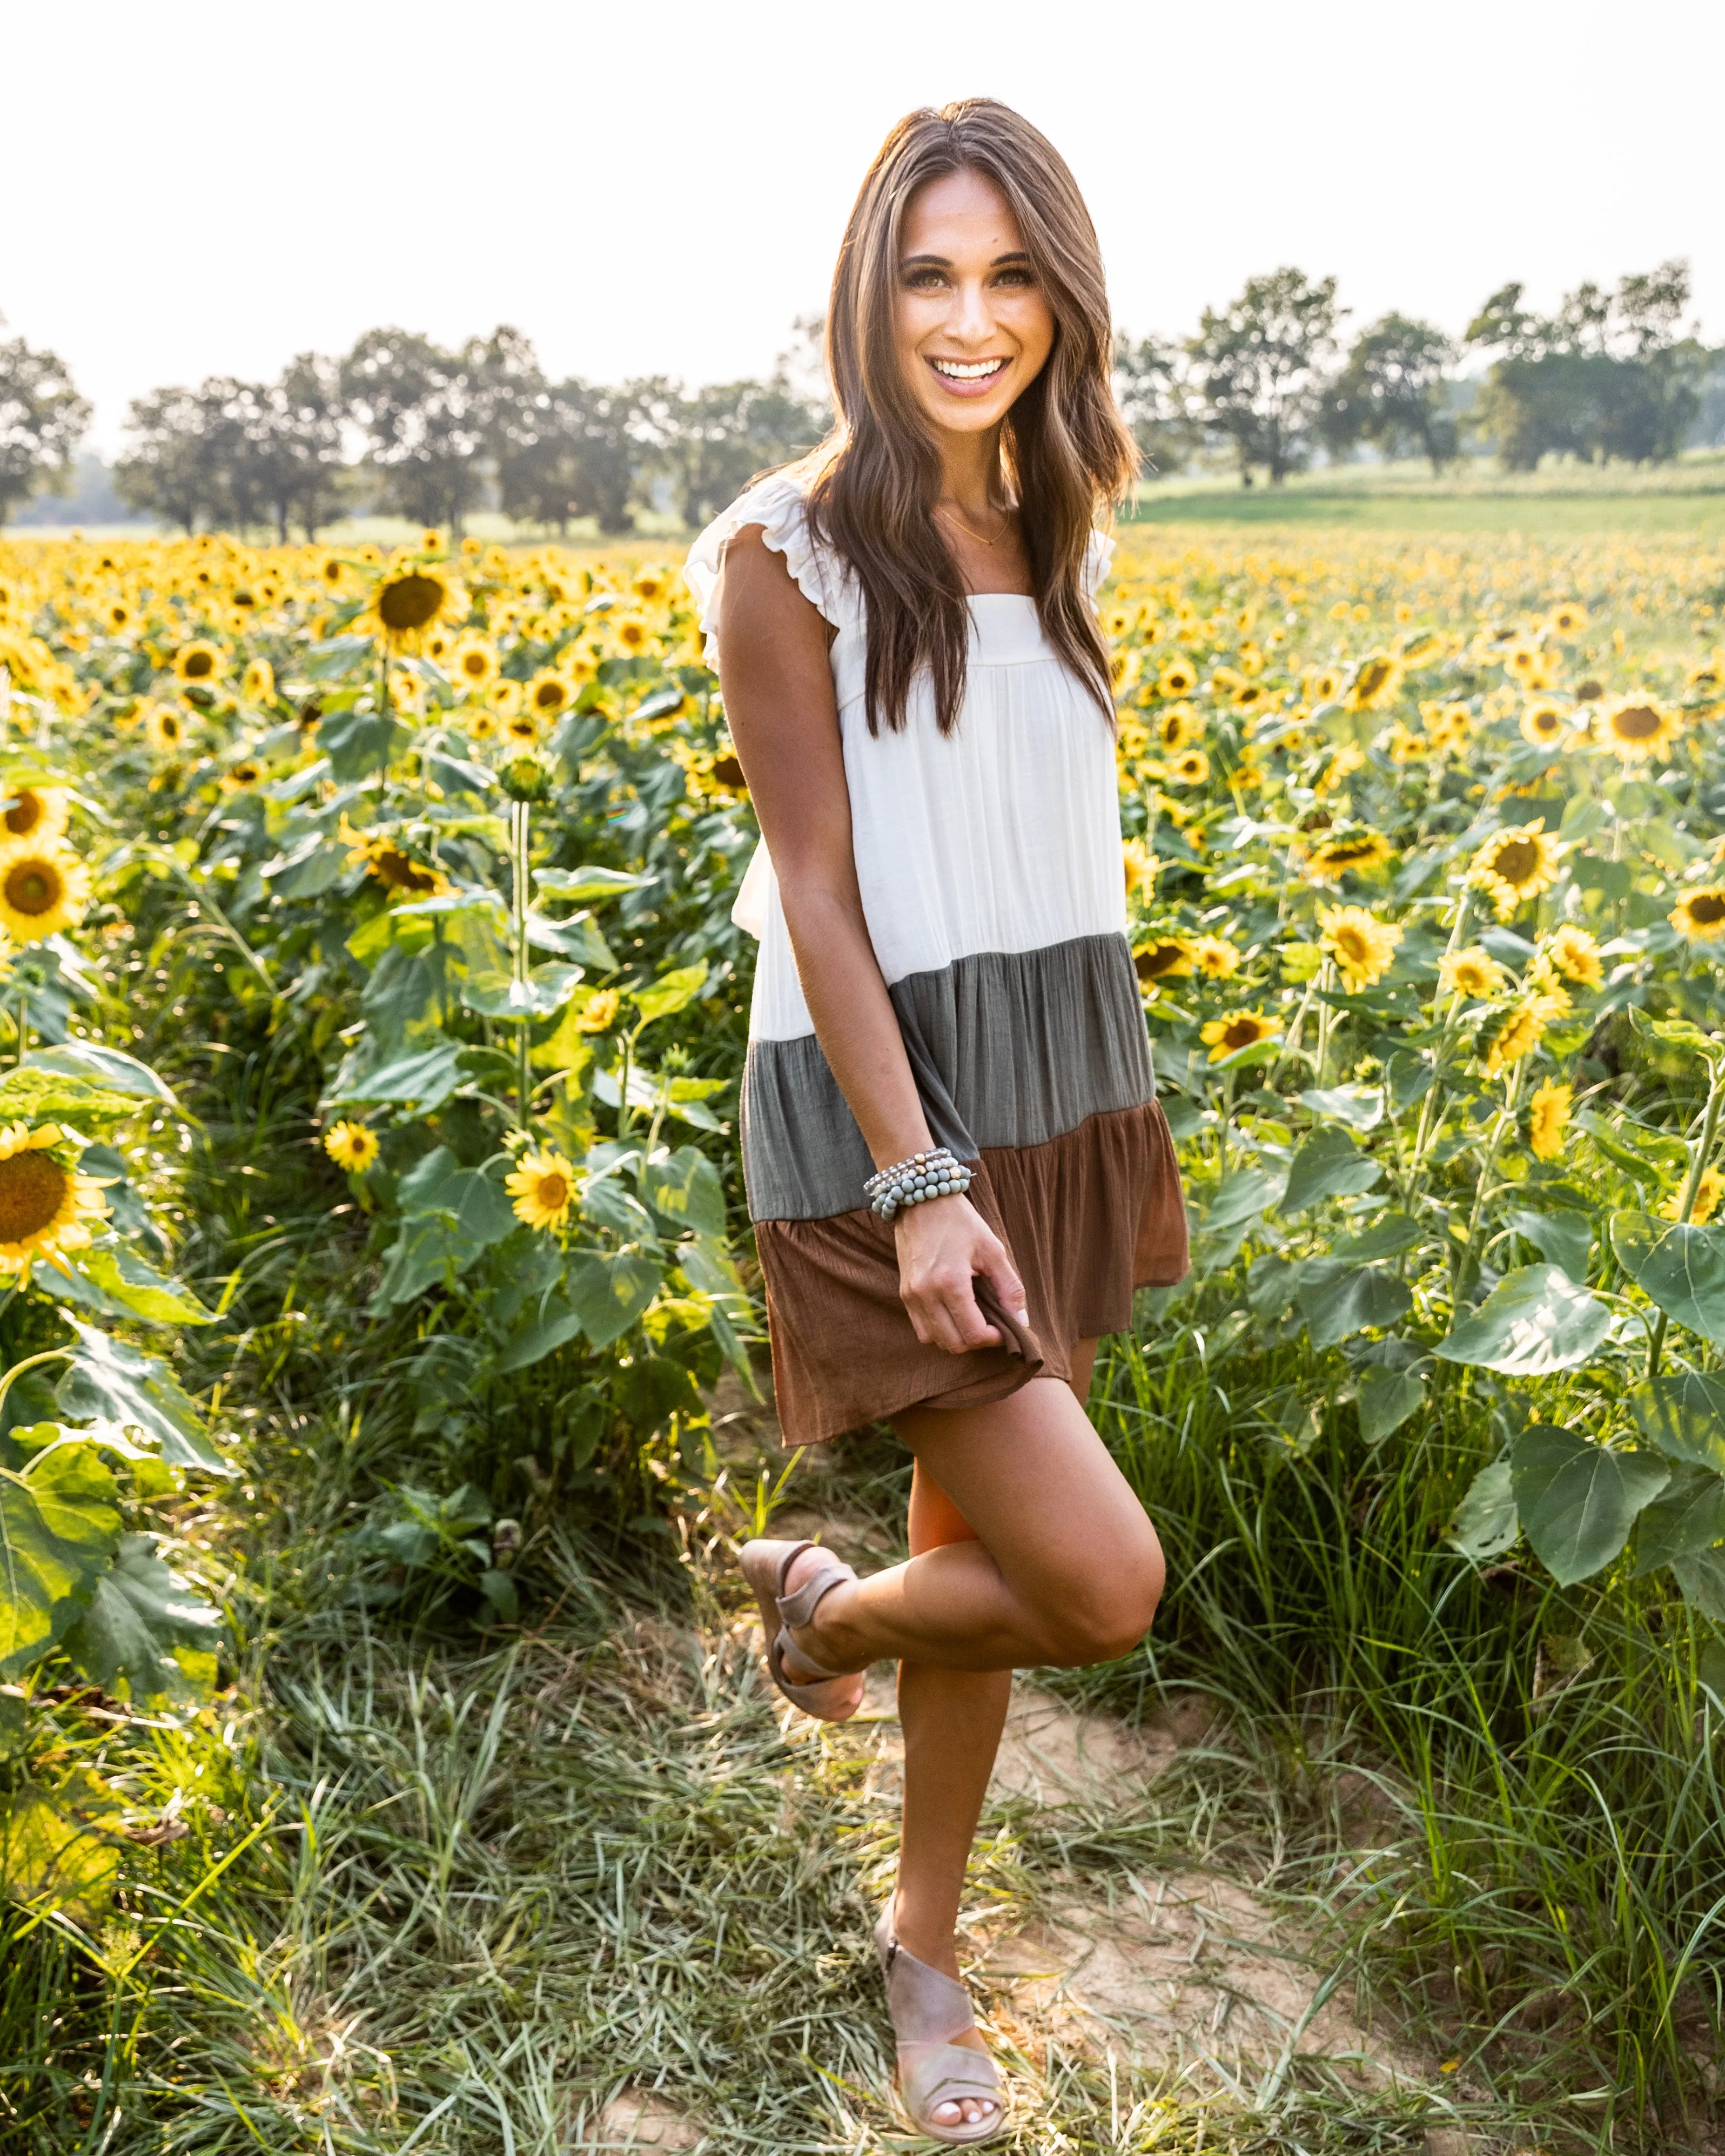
{"type": "Point", "coordinates": [778, 698]}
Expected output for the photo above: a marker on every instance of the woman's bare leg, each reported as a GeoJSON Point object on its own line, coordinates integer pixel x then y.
{"type": "Point", "coordinates": [951, 1721]}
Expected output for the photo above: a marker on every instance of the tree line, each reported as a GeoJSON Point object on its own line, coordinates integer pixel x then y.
{"type": "Point", "coordinates": [406, 425]}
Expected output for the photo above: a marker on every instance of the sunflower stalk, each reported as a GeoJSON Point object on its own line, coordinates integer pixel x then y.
{"type": "Point", "coordinates": [1691, 1188]}
{"type": "Point", "coordinates": [1431, 1107]}
{"type": "Point", "coordinates": [520, 846]}
{"type": "Point", "coordinates": [1463, 1279]}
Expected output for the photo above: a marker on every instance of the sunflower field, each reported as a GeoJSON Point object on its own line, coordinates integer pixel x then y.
{"type": "Point", "coordinates": [371, 1018]}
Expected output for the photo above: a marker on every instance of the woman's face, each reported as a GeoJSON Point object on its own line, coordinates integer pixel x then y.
{"type": "Point", "coordinates": [973, 328]}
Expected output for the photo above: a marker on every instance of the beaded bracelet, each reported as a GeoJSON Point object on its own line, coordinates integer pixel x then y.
{"type": "Point", "coordinates": [935, 1174]}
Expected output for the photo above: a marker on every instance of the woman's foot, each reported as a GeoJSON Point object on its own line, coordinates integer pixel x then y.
{"type": "Point", "coordinates": [974, 2111]}
{"type": "Point", "coordinates": [790, 1580]}
{"type": "Point", "coordinates": [802, 1661]}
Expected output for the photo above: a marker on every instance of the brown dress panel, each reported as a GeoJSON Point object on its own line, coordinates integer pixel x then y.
{"type": "Point", "coordinates": [1088, 1217]}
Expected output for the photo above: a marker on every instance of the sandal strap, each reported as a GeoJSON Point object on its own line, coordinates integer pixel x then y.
{"type": "Point", "coordinates": [816, 1672]}
{"type": "Point", "coordinates": [945, 2073]}
{"type": "Point", "coordinates": [926, 2007]}
{"type": "Point", "coordinates": [798, 1610]}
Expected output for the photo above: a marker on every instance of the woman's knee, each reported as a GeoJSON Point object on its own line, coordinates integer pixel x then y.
{"type": "Point", "coordinates": [1104, 1609]}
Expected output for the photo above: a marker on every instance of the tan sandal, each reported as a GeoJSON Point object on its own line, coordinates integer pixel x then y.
{"type": "Point", "coordinates": [764, 1566]}
{"type": "Point", "coordinates": [928, 2010]}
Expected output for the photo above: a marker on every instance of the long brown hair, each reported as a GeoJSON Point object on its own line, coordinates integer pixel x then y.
{"type": "Point", "coordinates": [1065, 452]}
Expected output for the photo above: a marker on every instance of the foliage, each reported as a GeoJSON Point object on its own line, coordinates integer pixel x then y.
{"type": "Point", "coordinates": [43, 419]}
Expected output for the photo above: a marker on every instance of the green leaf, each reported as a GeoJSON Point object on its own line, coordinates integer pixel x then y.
{"type": "Point", "coordinates": [449, 1215]}
{"type": "Point", "coordinates": [1561, 1236]}
{"type": "Point", "coordinates": [576, 938]}
{"type": "Point", "coordinates": [498, 994]}
{"type": "Point", "coordinates": [1338, 1300]}
{"type": "Point", "coordinates": [587, 884]}
{"type": "Point", "coordinates": [684, 1187]}
{"type": "Point", "coordinates": [307, 871]}
{"type": "Point", "coordinates": [1683, 1414]}
{"type": "Point", "coordinates": [1328, 1165]}
{"type": "Point", "coordinates": [1577, 1501]}
{"type": "Point", "coordinates": [109, 1068]}
{"type": "Point", "coordinates": [1688, 1516]}
{"type": "Point", "coordinates": [424, 1079]}
{"type": "Point", "coordinates": [1242, 1196]}
{"type": "Point", "coordinates": [360, 743]}
{"type": "Point", "coordinates": [1359, 1107]}
{"type": "Point", "coordinates": [1387, 1398]}
{"type": "Point", "coordinates": [109, 1280]}
{"type": "Point", "coordinates": [1681, 1269]}
{"type": "Point", "coordinates": [147, 1636]}
{"type": "Point", "coordinates": [1535, 1320]}
{"type": "Point", "coordinates": [59, 1522]}
{"type": "Point", "coordinates": [1487, 1522]}
{"type": "Point", "coordinates": [1387, 1237]}
{"type": "Point", "coordinates": [55, 1850]}
{"type": "Point", "coordinates": [1701, 1577]}
{"type": "Point", "coordinates": [671, 992]}
{"type": "Point", "coordinates": [553, 1329]}
{"type": "Point", "coordinates": [1606, 1137]}
{"type": "Point", "coordinates": [334, 656]}
{"type": "Point", "coordinates": [111, 1381]}
{"type": "Point", "coordinates": [609, 1294]}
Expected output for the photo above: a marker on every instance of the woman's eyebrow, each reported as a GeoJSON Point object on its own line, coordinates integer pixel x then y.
{"type": "Point", "coordinates": [944, 261]}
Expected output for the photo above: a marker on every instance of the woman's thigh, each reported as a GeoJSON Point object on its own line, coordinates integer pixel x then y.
{"type": "Point", "coordinates": [934, 1521]}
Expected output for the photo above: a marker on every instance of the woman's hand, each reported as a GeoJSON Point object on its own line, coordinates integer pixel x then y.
{"type": "Point", "coordinates": [942, 1246]}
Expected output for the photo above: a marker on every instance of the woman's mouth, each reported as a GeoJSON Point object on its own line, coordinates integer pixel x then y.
{"type": "Point", "coordinates": [968, 378]}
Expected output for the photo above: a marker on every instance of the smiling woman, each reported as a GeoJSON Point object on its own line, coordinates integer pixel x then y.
{"type": "Point", "coordinates": [955, 1162]}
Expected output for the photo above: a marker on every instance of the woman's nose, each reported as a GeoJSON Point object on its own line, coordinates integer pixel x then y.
{"type": "Point", "coordinates": [972, 317]}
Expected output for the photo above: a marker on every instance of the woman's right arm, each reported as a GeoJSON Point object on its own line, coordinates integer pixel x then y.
{"type": "Point", "coordinates": [777, 684]}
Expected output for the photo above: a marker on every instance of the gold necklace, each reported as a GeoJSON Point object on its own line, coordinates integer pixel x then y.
{"type": "Point", "coordinates": [1005, 519]}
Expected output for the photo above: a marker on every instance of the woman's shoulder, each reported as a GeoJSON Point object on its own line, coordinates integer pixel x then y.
{"type": "Point", "coordinates": [778, 505]}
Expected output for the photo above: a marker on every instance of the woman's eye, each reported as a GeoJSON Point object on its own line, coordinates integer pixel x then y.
{"type": "Point", "coordinates": [924, 280]}
{"type": "Point", "coordinates": [1014, 277]}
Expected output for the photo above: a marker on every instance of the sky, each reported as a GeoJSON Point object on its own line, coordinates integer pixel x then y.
{"type": "Point", "coordinates": [199, 189]}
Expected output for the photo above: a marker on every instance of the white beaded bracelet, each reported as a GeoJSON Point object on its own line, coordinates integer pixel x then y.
{"type": "Point", "coordinates": [936, 1173]}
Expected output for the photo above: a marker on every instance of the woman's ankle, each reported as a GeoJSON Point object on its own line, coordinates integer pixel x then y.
{"type": "Point", "coordinates": [931, 1937]}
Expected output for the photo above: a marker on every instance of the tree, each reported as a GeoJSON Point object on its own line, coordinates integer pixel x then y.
{"type": "Point", "coordinates": [43, 419]}
{"type": "Point", "coordinates": [1155, 402]}
{"type": "Point", "coordinates": [170, 465]}
{"type": "Point", "coordinates": [1608, 376]}
{"type": "Point", "coordinates": [423, 413]}
{"type": "Point", "coordinates": [566, 449]}
{"type": "Point", "coordinates": [1259, 365]}
{"type": "Point", "coordinates": [1392, 391]}
{"type": "Point", "coordinates": [714, 443]}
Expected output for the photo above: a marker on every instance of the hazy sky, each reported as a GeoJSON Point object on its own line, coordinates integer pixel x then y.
{"type": "Point", "coordinates": [196, 188]}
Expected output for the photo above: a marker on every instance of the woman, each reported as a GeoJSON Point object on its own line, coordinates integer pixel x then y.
{"type": "Point", "coordinates": [955, 1161]}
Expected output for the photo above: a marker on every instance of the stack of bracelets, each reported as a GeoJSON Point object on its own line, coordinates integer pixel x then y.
{"type": "Point", "coordinates": [925, 1175]}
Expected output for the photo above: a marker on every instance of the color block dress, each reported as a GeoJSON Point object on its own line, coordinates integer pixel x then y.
{"type": "Point", "coordinates": [993, 886]}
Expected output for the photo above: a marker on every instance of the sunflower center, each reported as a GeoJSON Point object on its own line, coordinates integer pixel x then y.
{"type": "Point", "coordinates": [395, 867]}
{"type": "Point", "coordinates": [24, 814]}
{"type": "Point", "coordinates": [475, 664]}
{"type": "Point", "coordinates": [33, 1188]}
{"type": "Point", "coordinates": [1157, 960]}
{"type": "Point", "coordinates": [1373, 677]}
{"type": "Point", "coordinates": [199, 666]}
{"type": "Point", "coordinates": [408, 603]}
{"type": "Point", "coordinates": [1351, 947]}
{"type": "Point", "coordinates": [1706, 909]}
{"type": "Point", "coordinates": [1516, 861]}
{"type": "Point", "coordinates": [549, 696]}
{"type": "Point", "coordinates": [33, 887]}
{"type": "Point", "coordinates": [553, 1192]}
{"type": "Point", "coordinates": [1639, 722]}
{"type": "Point", "coordinates": [1241, 1034]}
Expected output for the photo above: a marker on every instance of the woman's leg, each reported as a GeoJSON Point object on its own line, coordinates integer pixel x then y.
{"type": "Point", "coordinates": [1066, 1570]}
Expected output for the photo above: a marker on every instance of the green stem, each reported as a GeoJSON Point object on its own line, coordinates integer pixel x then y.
{"type": "Point", "coordinates": [1430, 1108]}
{"type": "Point", "coordinates": [1704, 1145]}
{"type": "Point", "coordinates": [1506, 1118]}
{"type": "Point", "coordinates": [30, 1361]}
{"type": "Point", "coordinates": [521, 817]}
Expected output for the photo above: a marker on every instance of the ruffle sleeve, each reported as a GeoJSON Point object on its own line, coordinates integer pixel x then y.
{"type": "Point", "coordinates": [778, 503]}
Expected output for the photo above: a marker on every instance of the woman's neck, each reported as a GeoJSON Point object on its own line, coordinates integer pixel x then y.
{"type": "Point", "coordinates": [970, 475]}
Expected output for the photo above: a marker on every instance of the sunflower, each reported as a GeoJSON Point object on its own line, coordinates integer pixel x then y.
{"type": "Point", "coordinates": [1473, 973]}
{"type": "Point", "coordinates": [1190, 767]}
{"type": "Point", "coordinates": [1123, 672]}
{"type": "Point", "coordinates": [549, 694]}
{"type": "Point", "coordinates": [164, 727]}
{"type": "Point", "coordinates": [1548, 1113]}
{"type": "Point", "coordinates": [1178, 727]}
{"type": "Point", "coordinates": [632, 631]}
{"type": "Point", "coordinates": [521, 728]}
{"type": "Point", "coordinates": [351, 1146]}
{"type": "Point", "coordinates": [242, 777]}
{"type": "Point", "coordinates": [482, 724]}
{"type": "Point", "coordinates": [473, 662]}
{"type": "Point", "coordinates": [1215, 957]}
{"type": "Point", "coordinates": [505, 697]}
{"type": "Point", "coordinates": [1707, 1193]}
{"type": "Point", "coordinates": [1574, 954]}
{"type": "Point", "coordinates": [1544, 723]}
{"type": "Point", "coordinates": [45, 1206]}
{"type": "Point", "coordinates": [394, 868]}
{"type": "Point", "coordinates": [1179, 678]}
{"type": "Point", "coordinates": [413, 598]}
{"type": "Point", "coordinates": [1376, 682]}
{"type": "Point", "coordinates": [1362, 946]}
{"type": "Point", "coordinates": [1634, 727]}
{"type": "Point", "coordinates": [1515, 863]}
{"type": "Point", "coordinates": [199, 663]}
{"type": "Point", "coordinates": [39, 813]}
{"type": "Point", "coordinates": [1568, 618]}
{"type": "Point", "coordinates": [599, 1011]}
{"type": "Point", "coordinates": [543, 1187]}
{"type": "Point", "coordinates": [43, 890]}
{"type": "Point", "coordinates": [1521, 1033]}
{"type": "Point", "coordinates": [1163, 959]}
{"type": "Point", "coordinates": [1406, 747]}
{"type": "Point", "coordinates": [1701, 914]}
{"type": "Point", "coordinates": [1251, 696]}
{"type": "Point", "coordinates": [1141, 866]}
{"type": "Point", "coordinates": [1227, 1036]}
{"type": "Point", "coordinates": [1357, 851]}
{"type": "Point", "coordinates": [1324, 686]}
{"type": "Point", "coordinates": [257, 684]}
{"type": "Point", "coordinates": [650, 583]}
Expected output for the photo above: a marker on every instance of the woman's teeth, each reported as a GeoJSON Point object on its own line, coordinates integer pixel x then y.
{"type": "Point", "coordinates": [962, 370]}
